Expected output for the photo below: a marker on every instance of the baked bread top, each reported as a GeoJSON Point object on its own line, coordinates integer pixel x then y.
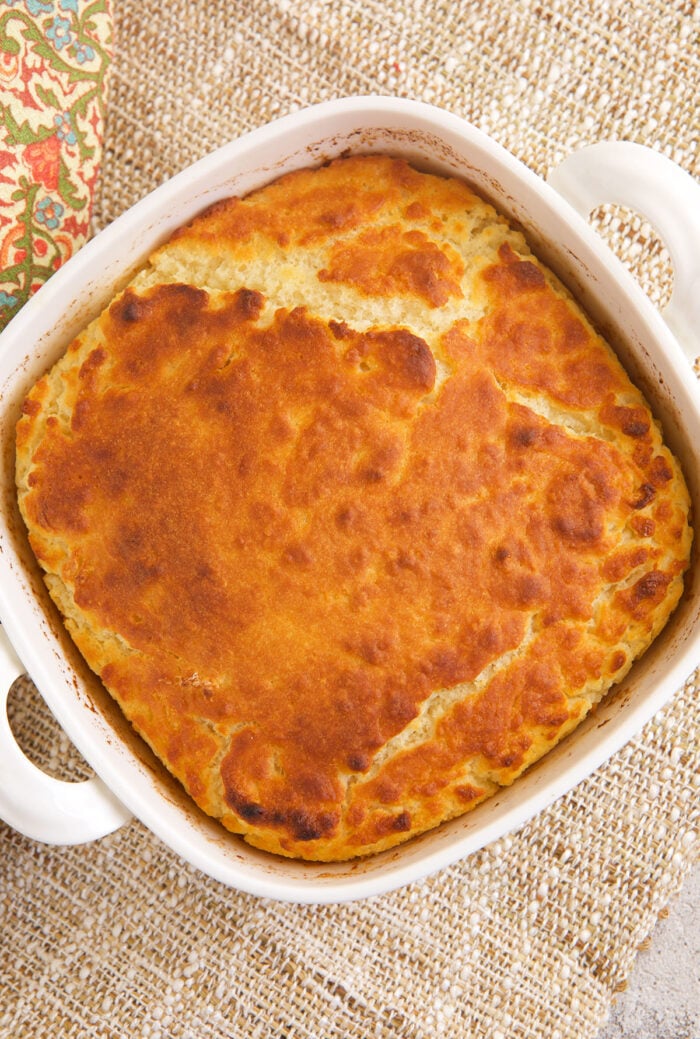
{"type": "Point", "coordinates": [350, 507]}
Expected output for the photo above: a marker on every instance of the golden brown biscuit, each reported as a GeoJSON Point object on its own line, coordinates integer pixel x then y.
{"type": "Point", "coordinates": [350, 508]}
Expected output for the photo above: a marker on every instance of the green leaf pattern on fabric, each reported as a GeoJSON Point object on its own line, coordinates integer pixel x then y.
{"type": "Point", "coordinates": [54, 56]}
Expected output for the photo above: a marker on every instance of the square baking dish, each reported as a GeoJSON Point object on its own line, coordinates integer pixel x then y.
{"type": "Point", "coordinates": [655, 349]}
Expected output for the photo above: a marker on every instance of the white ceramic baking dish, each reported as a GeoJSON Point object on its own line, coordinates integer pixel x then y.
{"type": "Point", "coordinates": [128, 779]}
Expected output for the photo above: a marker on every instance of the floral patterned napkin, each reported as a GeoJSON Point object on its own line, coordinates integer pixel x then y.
{"type": "Point", "coordinates": [54, 56]}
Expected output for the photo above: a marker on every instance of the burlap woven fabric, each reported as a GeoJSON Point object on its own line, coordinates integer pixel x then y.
{"type": "Point", "coordinates": [532, 936]}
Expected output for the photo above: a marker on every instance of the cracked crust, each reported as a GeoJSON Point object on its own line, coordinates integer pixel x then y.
{"type": "Point", "coordinates": [350, 508]}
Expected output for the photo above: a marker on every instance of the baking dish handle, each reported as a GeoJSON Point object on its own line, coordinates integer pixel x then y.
{"type": "Point", "coordinates": [642, 179]}
{"type": "Point", "coordinates": [38, 805]}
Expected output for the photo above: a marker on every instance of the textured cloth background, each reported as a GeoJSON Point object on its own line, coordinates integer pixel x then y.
{"type": "Point", "coordinates": [532, 936]}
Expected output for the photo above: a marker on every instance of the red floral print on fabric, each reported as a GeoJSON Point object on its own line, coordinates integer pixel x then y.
{"type": "Point", "coordinates": [54, 56]}
{"type": "Point", "coordinates": [43, 160]}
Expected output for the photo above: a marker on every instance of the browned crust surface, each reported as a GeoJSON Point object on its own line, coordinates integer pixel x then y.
{"type": "Point", "coordinates": [350, 508]}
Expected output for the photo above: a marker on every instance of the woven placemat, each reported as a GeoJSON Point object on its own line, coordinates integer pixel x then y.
{"type": "Point", "coordinates": [532, 936]}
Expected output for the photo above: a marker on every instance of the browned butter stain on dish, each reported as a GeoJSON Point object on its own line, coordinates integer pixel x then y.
{"type": "Point", "coordinates": [350, 508]}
